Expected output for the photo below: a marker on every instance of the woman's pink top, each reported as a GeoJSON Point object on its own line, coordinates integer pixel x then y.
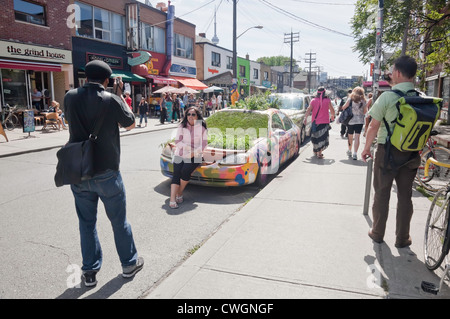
{"type": "Point", "coordinates": [323, 116]}
{"type": "Point", "coordinates": [191, 140]}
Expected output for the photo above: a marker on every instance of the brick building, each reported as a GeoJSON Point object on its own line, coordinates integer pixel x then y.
{"type": "Point", "coordinates": [35, 51]}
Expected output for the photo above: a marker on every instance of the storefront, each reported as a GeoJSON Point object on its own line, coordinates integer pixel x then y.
{"type": "Point", "coordinates": [185, 72]}
{"type": "Point", "coordinates": [86, 50]}
{"type": "Point", "coordinates": [25, 68]}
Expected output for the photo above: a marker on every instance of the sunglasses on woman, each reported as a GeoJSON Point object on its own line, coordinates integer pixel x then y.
{"type": "Point", "coordinates": [192, 114]}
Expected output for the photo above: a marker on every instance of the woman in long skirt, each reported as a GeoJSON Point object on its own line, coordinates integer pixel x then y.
{"type": "Point", "coordinates": [320, 108]}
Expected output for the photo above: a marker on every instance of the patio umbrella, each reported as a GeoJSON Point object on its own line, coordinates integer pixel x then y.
{"type": "Point", "coordinates": [166, 89]}
{"type": "Point", "coordinates": [183, 90]}
{"type": "Point", "coordinates": [213, 89]}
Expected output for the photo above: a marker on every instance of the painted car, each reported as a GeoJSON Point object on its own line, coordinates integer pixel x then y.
{"type": "Point", "coordinates": [275, 144]}
{"type": "Point", "coordinates": [294, 105]}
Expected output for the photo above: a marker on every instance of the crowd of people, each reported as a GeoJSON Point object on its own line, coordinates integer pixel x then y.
{"type": "Point", "coordinates": [172, 106]}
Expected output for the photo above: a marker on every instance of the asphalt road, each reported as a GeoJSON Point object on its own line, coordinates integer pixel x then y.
{"type": "Point", "coordinates": [39, 237]}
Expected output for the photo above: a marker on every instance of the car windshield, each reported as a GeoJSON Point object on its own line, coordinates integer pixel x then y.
{"type": "Point", "coordinates": [289, 102]}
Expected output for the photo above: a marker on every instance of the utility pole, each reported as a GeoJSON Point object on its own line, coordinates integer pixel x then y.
{"type": "Point", "coordinates": [235, 73]}
{"type": "Point", "coordinates": [310, 60]}
{"type": "Point", "coordinates": [377, 63]}
{"type": "Point", "coordinates": [291, 38]}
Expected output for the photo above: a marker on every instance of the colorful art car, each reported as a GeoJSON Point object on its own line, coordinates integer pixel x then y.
{"type": "Point", "coordinates": [241, 155]}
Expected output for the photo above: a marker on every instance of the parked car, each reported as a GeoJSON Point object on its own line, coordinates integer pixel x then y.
{"type": "Point", "coordinates": [266, 148]}
{"type": "Point", "coordinates": [295, 105]}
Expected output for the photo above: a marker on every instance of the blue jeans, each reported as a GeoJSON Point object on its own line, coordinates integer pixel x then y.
{"type": "Point", "coordinates": [143, 116]}
{"type": "Point", "coordinates": [109, 188]}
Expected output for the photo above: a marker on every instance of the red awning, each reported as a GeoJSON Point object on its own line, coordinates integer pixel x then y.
{"type": "Point", "coordinates": [162, 79]}
{"type": "Point", "coordinates": [34, 66]}
{"type": "Point", "coordinates": [191, 83]}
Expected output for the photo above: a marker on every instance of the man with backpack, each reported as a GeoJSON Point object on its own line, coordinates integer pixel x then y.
{"type": "Point", "coordinates": [405, 162]}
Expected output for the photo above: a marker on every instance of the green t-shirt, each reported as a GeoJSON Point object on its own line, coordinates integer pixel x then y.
{"type": "Point", "coordinates": [384, 107]}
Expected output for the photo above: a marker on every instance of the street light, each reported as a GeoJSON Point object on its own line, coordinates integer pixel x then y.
{"type": "Point", "coordinates": [255, 27]}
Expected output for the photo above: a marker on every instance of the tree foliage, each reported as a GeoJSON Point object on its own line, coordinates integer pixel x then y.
{"type": "Point", "coordinates": [275, 60]}
{"type": "Point", "coordinates": [420, 27]}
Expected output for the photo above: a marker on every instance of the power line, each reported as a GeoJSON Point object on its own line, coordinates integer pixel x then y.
{"type": "Point", "coordinates": [293, 16]}
{"type": "Point", "coordinates": [326, 3]}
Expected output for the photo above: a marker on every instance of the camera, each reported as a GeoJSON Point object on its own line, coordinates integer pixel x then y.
{"type": "Point", "coordinates": [117, 80]}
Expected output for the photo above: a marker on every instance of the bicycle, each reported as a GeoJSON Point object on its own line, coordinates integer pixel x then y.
{"type": "Point", "coordinates": [11, 120]}
{"type": "Point", "coordinates": [437, 230]}
{"type": "Point", "coordinates": [438, 175]}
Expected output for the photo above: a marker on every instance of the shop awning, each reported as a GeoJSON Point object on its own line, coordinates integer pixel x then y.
{"type": "Point", "coordinates": [162, 79]}
{"type": "Point", "coordinates": [33, 66]}
{"type": "Point", "coordinates": [128, 76]}
{"type": "Point", "coordinates": [190, 82]}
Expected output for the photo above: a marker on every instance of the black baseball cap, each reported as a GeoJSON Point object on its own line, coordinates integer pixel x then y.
{"type": "Point", "coordinates": [97, 70]}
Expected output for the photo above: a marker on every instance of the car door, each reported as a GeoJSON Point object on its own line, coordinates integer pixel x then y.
{"type": "Point", "coordinates": [292, 135]}
{"type": "Point", "coordinates": [281, 136]}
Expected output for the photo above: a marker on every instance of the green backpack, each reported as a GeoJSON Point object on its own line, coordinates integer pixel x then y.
{"type": "Point", "coordinates": [416, 118]}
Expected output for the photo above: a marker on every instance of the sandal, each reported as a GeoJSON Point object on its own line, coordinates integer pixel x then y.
{"type": "Point", "coordinates": [179, 199]}
{"type": "Point", "coordinates": [173, 205]}
{"type": "Point", "coordinates": [320, 156]}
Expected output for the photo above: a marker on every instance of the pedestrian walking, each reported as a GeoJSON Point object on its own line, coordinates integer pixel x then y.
{"type": "Point", "coordinates": [321, 110]}
{"type": "Point", "coordinates": [169, 107]}
{"type": "Point", "coordinates": [354, 127]}
{"type": "Point", "coordinates": [343, 126]}
{"type": "Point", "coordinates": [163, 109]}
{"type": "Point", "coordinates": [143, 111]}
{"type": "Point", "coordinates": [219, 101]}
{"type": "Point", "coordinates": [368, 118]}
{"type": "Point", "coordinates": [403, 75]}
{"type": "Point", "coordinates": [128, 100]}
{"type": "Point", "coordinates": [214, 103]}
{"type": "Point", "coordinates": [190, 141]}
{"type": "Point", "coordinates": [83, 106]}
{"type": "Point", "coordinates": [176, 108]}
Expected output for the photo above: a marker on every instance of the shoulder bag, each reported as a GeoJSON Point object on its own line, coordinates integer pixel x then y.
{"type": "Point", "coordinates": [314, 124]}
{"type": "Point", "coordinates": [76, 160]}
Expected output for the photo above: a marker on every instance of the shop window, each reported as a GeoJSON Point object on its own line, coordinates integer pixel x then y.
{"type": "Point", "coordinates": [153, 38]}
{"type": "Point", "coordinates": [183, 46]}
{"type": "Point", "coordinates": [255, 74]}
{"type": "Point", "coordinates": [29, 12]}
{"type": "Point", "coordinates": [99, 24]}
{"type": "Point", "coordinates": [266, 76]}
{"type": "Point", "coordinates": [14, 87]}
{"type": "Point", "coordinates": [215, 59]}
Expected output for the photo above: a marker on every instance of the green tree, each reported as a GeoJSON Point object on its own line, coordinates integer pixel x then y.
{"type": "Point", "coordinates": [275, 60]}
{"type": "Point", "coordinates": [419, 28]}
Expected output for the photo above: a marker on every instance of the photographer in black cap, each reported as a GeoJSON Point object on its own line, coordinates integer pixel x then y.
{"type": "Point", "coordinates": [83, 107]}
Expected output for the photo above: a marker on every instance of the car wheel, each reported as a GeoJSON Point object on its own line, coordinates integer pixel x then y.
{"type": "Point", "coordinates": [262, 179]}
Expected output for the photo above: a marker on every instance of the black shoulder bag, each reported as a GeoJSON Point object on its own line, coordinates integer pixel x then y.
{"type": "Point", "coordinates": [76, 160]}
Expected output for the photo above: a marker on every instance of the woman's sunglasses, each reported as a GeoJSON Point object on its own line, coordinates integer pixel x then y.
{"type": "Point", "coordinates": [192, 114]}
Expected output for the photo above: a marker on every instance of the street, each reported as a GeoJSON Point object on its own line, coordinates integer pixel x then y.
{"type": "Point", "coordinates": [39, 238]}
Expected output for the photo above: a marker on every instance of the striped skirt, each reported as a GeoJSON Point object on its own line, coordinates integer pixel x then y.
{"type": "Point", "coordinates": [320, 138]}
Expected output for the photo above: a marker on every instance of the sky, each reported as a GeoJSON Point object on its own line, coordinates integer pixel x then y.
{"type": "Point", "coordinates": [323, 26]}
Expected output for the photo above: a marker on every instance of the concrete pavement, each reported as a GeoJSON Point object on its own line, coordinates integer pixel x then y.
{"type": "Point", "coordinates": [20, 143]}
{"type": "Point", "coordinates": [303, 236]}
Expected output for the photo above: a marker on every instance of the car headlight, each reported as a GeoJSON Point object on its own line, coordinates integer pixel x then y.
{"type": "Point", "coordinates": [234, 159]}
{"type": "Point", "coordinates": [167, 151]}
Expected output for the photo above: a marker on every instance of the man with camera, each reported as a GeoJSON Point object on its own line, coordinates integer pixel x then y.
{"type": "Point", "coordinates": [83, 107]}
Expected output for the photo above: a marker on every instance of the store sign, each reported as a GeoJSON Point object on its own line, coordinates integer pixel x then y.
{"type": "Point", "coordinates": [28, 121]}
{"type": "Point", "coordinates": [156, 63]}
{"type": "Point", "coordinates": [139, 57]}
{"type": "Point", "coordinates": [34, 52]}
{"type": "Point", "coordinates": [113, 61]}
{"type": "Point", "coordinates": [183, 70]}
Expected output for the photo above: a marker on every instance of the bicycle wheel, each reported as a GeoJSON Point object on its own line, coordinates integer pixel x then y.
{"type": "Point", "coordinates": [9, 124]}
{"type": "Point", "coordinates": [436, 230]}
{"type": "Point", "coordinates": [438, 176]}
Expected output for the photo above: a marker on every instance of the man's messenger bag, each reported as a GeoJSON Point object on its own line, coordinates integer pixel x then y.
{"type": "Point", "coordinates": [76, 160]}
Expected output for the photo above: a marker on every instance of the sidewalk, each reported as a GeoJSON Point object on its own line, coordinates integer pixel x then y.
{"type": "Point", "coordinates": [305, 236]}
{"type": "Point", "coordinates": [21, 143]}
